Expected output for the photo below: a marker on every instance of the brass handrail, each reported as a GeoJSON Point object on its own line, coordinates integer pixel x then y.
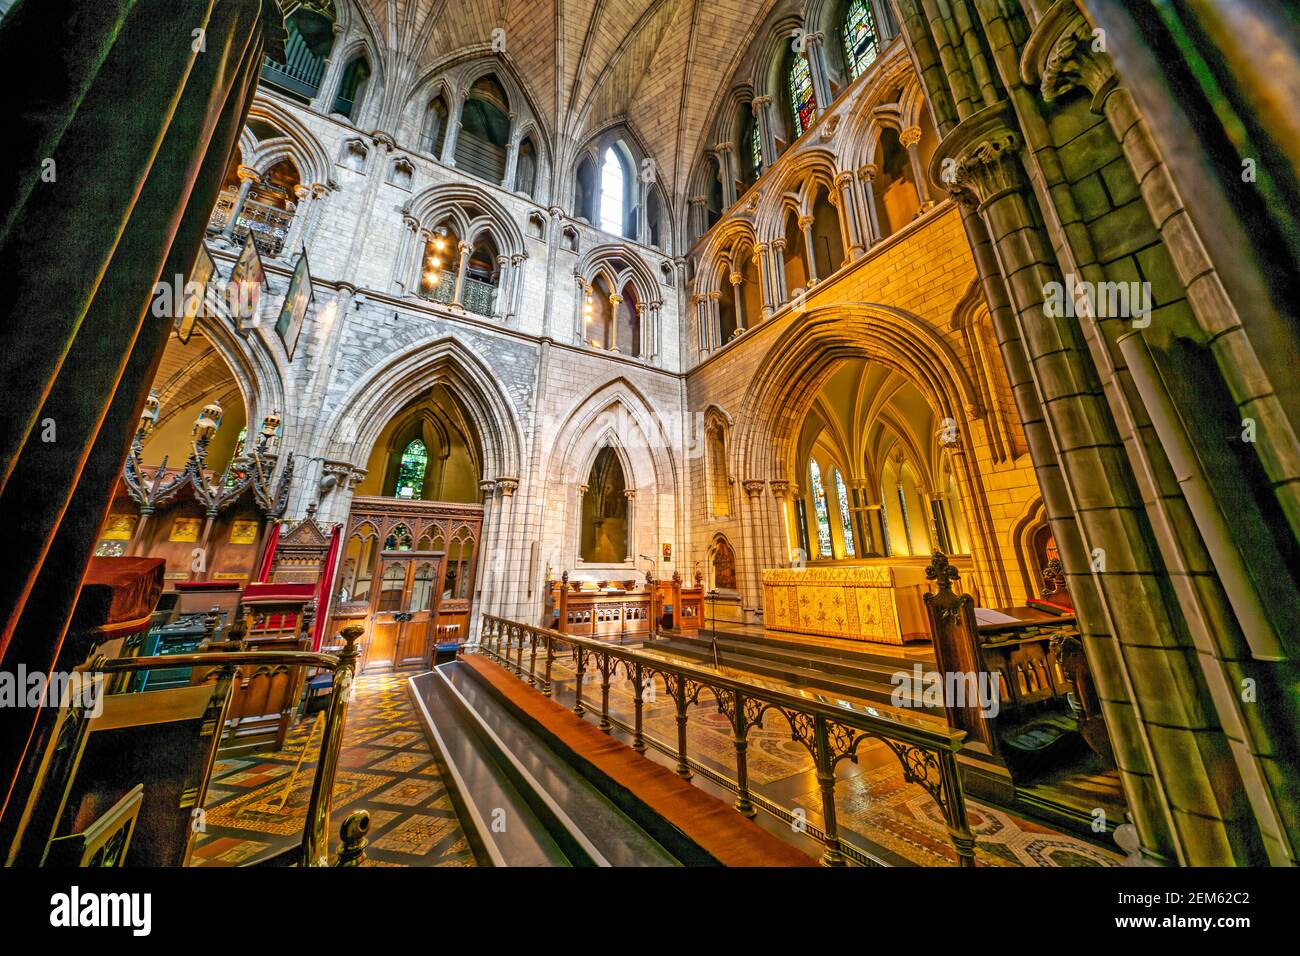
{"type": "Point", "coordinates": [315, 844]}
{"type": "Point", "coordinates": [829, 727]}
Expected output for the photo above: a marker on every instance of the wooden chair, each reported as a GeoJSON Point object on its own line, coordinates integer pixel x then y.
{"type": "Point", "coordinates": [266, 698]}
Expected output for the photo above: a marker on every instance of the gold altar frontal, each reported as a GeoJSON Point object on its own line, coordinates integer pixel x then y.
{"type": "Point", "coordinates": [881, 603]}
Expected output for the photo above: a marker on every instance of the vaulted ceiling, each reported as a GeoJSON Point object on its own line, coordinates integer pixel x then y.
{"type": "Point", "coordinates": [661, 65]}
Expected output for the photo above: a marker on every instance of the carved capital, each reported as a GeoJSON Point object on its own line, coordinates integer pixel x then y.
{"type": "Point", "coordinates": [753, 486]}
{"type": "Point", "coordinates": [868, 172]}
{"type": "Point", "coordinates": [980, 157]}
{"type": "Point", "coordinates": [780, 487]}
{"type": "Point", "coordinates": [909, 137]}
{"type": "Point", "coordinates": [508, 486]}
{"type": "Point", "coordinates": [1063, 54]}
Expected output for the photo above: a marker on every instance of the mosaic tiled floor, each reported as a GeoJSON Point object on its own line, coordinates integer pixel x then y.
{"type": "Point", "coordinates": [872, 800]}
{"type": "Point", "coordinates": [385, 767]}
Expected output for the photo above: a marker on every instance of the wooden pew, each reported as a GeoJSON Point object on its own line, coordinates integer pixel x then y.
{"type": "Point", "coordinates": [1018, 647]}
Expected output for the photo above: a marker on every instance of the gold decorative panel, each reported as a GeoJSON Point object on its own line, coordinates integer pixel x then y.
{"type": "Point", "coordinates": [862, 603]}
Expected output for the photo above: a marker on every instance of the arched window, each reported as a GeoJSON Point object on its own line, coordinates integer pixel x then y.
{"type": "Point", "coordinates": [484, 131]}
{"type": "Point", "coordinates": [846, 522]}
{"type": "Point", "coordinates": [309, 37]}
{"type": "Point", "coordinates": [435, 127]}
{"type": "Point", "coordinates": [824, 548]}
{"type": "Point", "coordinates": [860, 36]}
{"type": "Point", "coordinates": [526, 168]}
{"type": "Point", "coordinates": [755, 144]}
{"type": "Point", "coordinates": [604, 511]}
{"type": "Point", "coordinates": [410, 473]}
{"type": "Point", "coordinates": [352, 87]}
{"type": "Point", "coordinates": [798, 81]}
{"type": "Point", "coordinates": [613, 187]}
{"type": "Point", "coordinates": [586, 191]}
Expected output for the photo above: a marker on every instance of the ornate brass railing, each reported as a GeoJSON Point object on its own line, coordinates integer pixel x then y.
{"type": "Point", "coordinates": [315, 842]}
{"type": "Point", "coordinates": [225, 664]}
{"type": "Point", "coordinates": [831, 729]}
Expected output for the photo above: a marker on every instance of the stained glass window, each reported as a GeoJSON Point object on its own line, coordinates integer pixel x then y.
{"type": "Point", "coordinates": [846, 522]}
{"type": "Point", "coordinates": [410, 473]}
{"type": "Point", "coordinates": [861, 39]}
{"type": "Point", "coordinates": [611, 193]}
{"type": "Point", "coordinates": [823, 513]}
{"type": "Point", "coordinates": [802, 105]}
{"type": "Point", "coordinates": [755, 149]}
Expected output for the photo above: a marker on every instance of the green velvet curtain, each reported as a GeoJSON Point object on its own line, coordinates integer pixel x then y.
{"type": "Point", "coordinates": [120, 133]}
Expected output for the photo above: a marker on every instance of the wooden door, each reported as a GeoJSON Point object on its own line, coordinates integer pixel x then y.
{"type": "Point", "coordinates": [421, 610]}
{"type": "Point", "coordinates": [405, 607]}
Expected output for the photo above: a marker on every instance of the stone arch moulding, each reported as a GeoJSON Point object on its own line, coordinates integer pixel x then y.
{"type": "Point", "coordinates": [598, 260]}
{"type": "Point", "coordinates": [373, 401]}
{"type": "Point", "coordinates": [435, 204]}
{"type": "Point", "coordinates": [608, 415]}
{"type": "Point", "coordinates": [260, 375]}
{"type": "Point", "coordinates": [297, 143]}
{"type": "Point", "coordinates": [783, 391]}
{"type": "Point", "coordinates": [801, 359]}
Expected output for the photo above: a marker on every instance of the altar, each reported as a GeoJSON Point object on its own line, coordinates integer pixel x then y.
{"type": "Point", "coordinates": [880, 603]}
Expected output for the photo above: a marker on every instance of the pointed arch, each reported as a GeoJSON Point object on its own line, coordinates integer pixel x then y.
{"type": "Point", "coordinates": [375, 399]}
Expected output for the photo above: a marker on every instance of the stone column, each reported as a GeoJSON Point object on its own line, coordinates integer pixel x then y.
{"type": "Point", "coordinates": [1158, 732]}
{"type": "Point", "coordinates": [866, 177]}
{"type": "Point", "coordinates": [816, 56]}
{"type": "Point", "coordinates": [453, 131]}
{"type": "Point", "coordinates": [512, 156]}
{"type": "Point", "coordinates": [752, 536]}
{"type": "Point", "coordinates": [696, 216]}
{"type": "Point", "coordinates": [614, 300]}
{"type": "Point", "coordinates": [630, 495]}
{"type": "Point", "coordinates": [516, 284]}
{"type": "Point", "coordinates": [909, 140]}
{"type": "Point", "coordinates": [292, 240]}
{"type": "Point", "coordinates": [762, 265]}
{"type": "Point", "coordinates": [402, 264]}
{"type": "Point", "coordinates": [462, 258]}
{"type": "Point", "coordinates": [761, 105]}
{"type": "Point", "coordinates": [505, 572]}
{"type": "Point", "coordinates": [714, 321]}
{"type": "Point", "coordinates": [577, 545]}
{"type": "Point", "coordinates": [805, 224]}
{"type": "Point", "coordinates": [329, 77]}
{"type": "Point", "coordinates": [780, 294]}
{"type": "Point", "coordinates": [849, 215]}
{"type": "Point", "coordinates": [701, 329]}
{"type": "Point", "coordinates": [723, 152]}
{"type": "Point", "coordinates": [736, 279]}
{"type": "Point", "coordinates": [781, 526]}
{"type": "Point", "coordinates": [503, 287]}
{"type": "Point", "coordinates": [248, 176]}
{"type": "Point", "coordinates": [318, 193]}
{"type": "Point", "coordinates": [483, 580]}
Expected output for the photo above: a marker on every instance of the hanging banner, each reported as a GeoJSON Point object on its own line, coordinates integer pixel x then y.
{"type": "Point", "coordinates": [296, 303]}
{"type": "Point", "coordinates": [244, 287]}
{"type": "Point", "coordinates": [196, 293]}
